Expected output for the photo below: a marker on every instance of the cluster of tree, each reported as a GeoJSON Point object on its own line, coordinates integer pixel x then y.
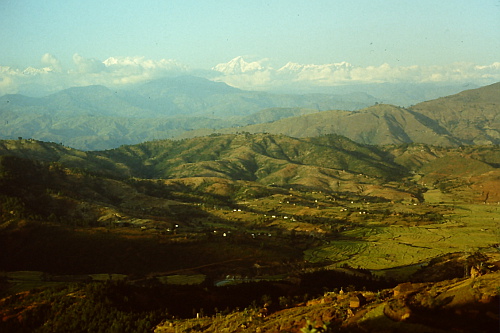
{"type": "Point", "coordinates": [41, 191]}
{"type": "Point", "coordinates": [122, 306]}
{"type": "Point", "coordinates": [75, 308]}
{"type": "Point", "coordinates": [23, 189]}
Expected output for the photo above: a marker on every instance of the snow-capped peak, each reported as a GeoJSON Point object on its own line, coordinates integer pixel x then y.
{"type": "Point", "coordinates": [291, 67]}
{"type": "Point", "coordinates": [238, 65]}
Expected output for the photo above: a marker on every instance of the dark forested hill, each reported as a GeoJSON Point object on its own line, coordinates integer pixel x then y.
{"type": "Point", "coordinates": [265, 158]}
{"type": "Point", "coordinates": [327, 162]}
{"type": "Point", "coordinates": [261, 157]}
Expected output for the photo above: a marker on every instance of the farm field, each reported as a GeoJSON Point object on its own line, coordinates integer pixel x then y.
{"type": "Point", "coordinates": [378, 236]}
{"type": "Point", "coordinates": [376, 246]}
{"type": "Point", "coordinates": [21, 281]}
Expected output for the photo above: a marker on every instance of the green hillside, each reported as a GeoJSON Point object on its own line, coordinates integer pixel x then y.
{"type": "Point", "coordinates": [377, 125]}
{"type": "Point", "coordinates": [260, 157]}
{"type": "Point", "coordinates": [95, 117]}
{"type": "Point", "coordinates": [327, 162]}
{"type": "Point", "coordinates": [472, 116]}
{"type": "Point", "coordinates": [257, 223]}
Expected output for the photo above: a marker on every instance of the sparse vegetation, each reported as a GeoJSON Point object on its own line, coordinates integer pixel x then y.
{"type": "Point", "coordinates": [282, 223]}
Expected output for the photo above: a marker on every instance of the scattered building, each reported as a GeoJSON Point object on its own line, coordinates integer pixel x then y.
{"type": "Point", "coordinates": [357, 300]}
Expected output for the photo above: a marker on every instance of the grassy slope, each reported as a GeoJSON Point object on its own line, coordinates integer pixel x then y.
{"type": "Point", "coordinates": [221, 171]}
{"type": "Point", "coordinates": [472, 116]}
{"type": "Point", "coordinates": [376, 125]}
{"type": "Point", "coordinates": [252, 157]}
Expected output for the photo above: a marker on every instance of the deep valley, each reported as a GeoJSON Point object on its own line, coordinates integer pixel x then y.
{"type": "Point", "coordinates": [251, 231]}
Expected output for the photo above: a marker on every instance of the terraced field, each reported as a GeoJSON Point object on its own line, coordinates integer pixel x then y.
{"type": "Point", "coordinates": [378, 246]}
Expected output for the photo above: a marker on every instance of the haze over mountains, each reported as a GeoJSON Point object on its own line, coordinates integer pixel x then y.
{"type": "Point", "coordinates": [95, 117]}
{"type": "Point", "coordinates": [400, 86]}
{"type": "Point", "coordinates": [470, 117]}
{"type": "Point", "coordinates": [262, 205]}
{"type": "Point", "coordinates": [251, 166]}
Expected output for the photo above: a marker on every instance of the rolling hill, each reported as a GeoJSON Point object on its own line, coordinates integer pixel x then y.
{"type": "Point", "coordinates": [251, 157]}
{"type": "Point", "coordinates": [470, 117]}
{"type": "Point", "coordinates": [327, 162]}
{"type": "Point", "coordinates": [282, 220]}
{"type": "Point", "coordinates": [377, 125]}
{"type": "Point", "coordinates": [95, 117]}
{"type": "Point", "coordinates": [322, 163]}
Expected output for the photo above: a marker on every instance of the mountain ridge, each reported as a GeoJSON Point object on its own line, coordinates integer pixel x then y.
{"type": "Point", "coordinates": [475, 121]}
{"type": "Point", "coordinates": [471, 115]}
{"type": "Point", "coordinates": [158, 109]}
{"type": "Point", "coordinates": [327, 162]}
{"type": "Point", "coordinates": [96, 117]}
{"type": "Point", "coordinates": [279, 221]}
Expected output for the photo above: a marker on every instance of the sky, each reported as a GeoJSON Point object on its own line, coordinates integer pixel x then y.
{"type": "Point", "coordinates": [64, 43]}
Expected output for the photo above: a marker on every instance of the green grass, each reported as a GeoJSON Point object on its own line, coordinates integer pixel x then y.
{"type": "Point", "coordinates": [106, 277]}
{"type": "Point", "coordinates": [20, 281]}
{"type": "Point", "coordinates": [338, 251]}
{"type": "Point", "coordinates": [468, 227]}
{"type": "Point", "coordinates": [182, 279]}
{"type": "Point", "coordinates": [436, 196]}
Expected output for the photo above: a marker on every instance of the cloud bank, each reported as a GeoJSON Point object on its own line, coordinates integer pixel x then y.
{"type": "Point", "coordinates": [255, 75]}
{"type": "Point", "coordinates": [120, 72]}
{"type": "Point", "coordinates": [113, 72]}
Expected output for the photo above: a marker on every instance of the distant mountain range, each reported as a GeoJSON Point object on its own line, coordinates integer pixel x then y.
{"type": "Point", "coordinates": [470, 117]}
{"type": "Point", "coordinates": [311, 78]}
{"type": "Point", "coordinates": [97, 118]}
{"type": "Point", "coordinates": [327, 162]}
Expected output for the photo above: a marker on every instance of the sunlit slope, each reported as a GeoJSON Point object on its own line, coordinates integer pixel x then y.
{"type": "Point", "coordinates": [470, 173]}
{"type": "Point", "coordinates": [377, 125]}
{"type": "Point", "coordinates": [472, 116]}
{"type": "Point", "coordinates": [261, 157]}
{"type": "Point", "coordinates": [328, 162]}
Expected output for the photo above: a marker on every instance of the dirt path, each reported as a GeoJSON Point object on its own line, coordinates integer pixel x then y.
{"type": "Point", "coordinates": [196, 267]}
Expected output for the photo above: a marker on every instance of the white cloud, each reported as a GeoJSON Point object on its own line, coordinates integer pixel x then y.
{"type": "Point", "coordinates": [255, 75]}
{"type": "Point", "coordinates": [113, 72]}
{"type": "Point", "coordinates": [86, 65]}
{"type": "Point", "coordinates": [7, 85]}
{"type": "Point", "coordinates": [128, 70]}
{"type": "Point", "coordinates": [118, 72]}
{"type": "Point", "coordinates": [143, 64]}
{"type": "Point", "coordinates": [51, 63]}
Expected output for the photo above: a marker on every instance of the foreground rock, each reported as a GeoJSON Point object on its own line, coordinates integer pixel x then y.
{"type": "Point", "coordinates": [459, 305]}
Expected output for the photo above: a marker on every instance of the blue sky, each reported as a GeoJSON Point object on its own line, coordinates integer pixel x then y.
{"type": "Point", "coordinates": [205, 33]}
{"type": "Point", "coordinates": [202, 34]}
